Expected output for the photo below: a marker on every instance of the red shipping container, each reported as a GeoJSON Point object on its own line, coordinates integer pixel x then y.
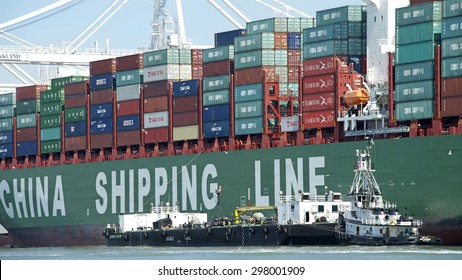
{"type": "Point", "coordinates": [185, 104]}
{"type": "Point", "coordinates": [318, 101]}
{"type": "Point", "coordinates": [101, 96]}
{"type": "Point", "coordinates": [218, 68]}
{"type": "Point", "coordinates": [197, 71]}
{"type": "Point", "coordinates": [320, 66]}
{"type": "Point", "coordinates": [451, 106]}
{"type": "Point", "coordinates": [280, 40]}
{"type": "Point", "coordinates": [196, 56]}
{"type": "Point", "coordinates": [129, 62]}
{"type": "Point", "coordinates": [451, 87]}
{"type": "Point", "coordinates": [319, 119]}
{"type": "Point", "coordinates": [104, 66]}
{"type": "Point", "coordinates": [77, 88]}
{"type": "Point", "coordinates": [129, 107]}
{"type": "Point", "coordinates": [156, 135]}
{"type": "Point", "coordinates": [294, 58]}
{"type": "Point", "coordinates": [126, 138]}
{"type": "Point", "coordinates": [416, 2]}
{"type": "Point", "coordinates": [78, 100]}
{"type": "Point", "coordinates": [156, 104]}
{"type": "Point", "coordinates": [158, 88]}
{"type": "Point", "coordinates": [101, 140]}
{"type": "Point", "coordinates": [293, 74]}
{"type": "Point", "coordinates": [318, 84]}
{"type": "Point", "coordinates": [26, 134]}
{"type": "Point", "coordinates": [75, 143]}
{"type": "Point", "coordinates": [29, 92]}
{"type": "Point", "coordinates": [253, 75]}
{"type": "Point", "coordinates": [184, 119]}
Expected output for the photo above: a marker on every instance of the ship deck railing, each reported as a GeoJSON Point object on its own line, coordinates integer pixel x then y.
{"type": "Point", "coordinates": [165, 209]}
{"type": "Point", "coordinates": [312, 198]}
{"type": "Point", "coordinates": [393, 222]}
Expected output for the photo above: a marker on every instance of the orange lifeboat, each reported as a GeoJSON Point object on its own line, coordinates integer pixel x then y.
{"type": "Point", "coordinates": [356, 97]}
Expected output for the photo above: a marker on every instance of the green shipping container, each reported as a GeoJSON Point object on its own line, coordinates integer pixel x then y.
{"type": "Point", "coordinates": [451, 47]}
{"type": "Point", "coordinates": [280, 58]}
{"type": "Point", "coordinates": [129, 77]}
{"type": "Point", "coordinates": [28, 120]}
{"type": "Point", "coordinates": [282, 72]}
{"type": "Point", "coordinates": [248, 126]}
{"type": "Point", "coordinates": [218, 54]}
{"type": "Point", "coordinates": [451, 67]}
{"type": "Point", "coordinates": [52, 95]}
{"type": "Point", "coordinates": [452, 8]}
{"type": "Point", "coordinates": [50, 109]}
{"type": "Point", "coordinates": [76, 114]}
{"type": "Point", "coordinates": [267, 25]}
{"type": "Point", "coordinates": [53, 146]}
{"type": "Point", "coordinates": [53, 133]}
{"type": "Point", "coordinates": [341, 14]}
{"type": "Point", "coordinates": [452, 27]}
{"type": "Point", "coordinates": [412, 72]}
{"type": "Point", "coordinates": [185, 56]}
{"type": "Point", "coordinates": [6, 111]}
{"type": "Point", "coordinates": [215, 97]}
{"type": "Point", "coordinates": [248, 109]}
{"type": "Point", "coordinates": [7, 99]}
{"type": "Point", "coordinates": [254, 42]}
{"type": "Point", "coordinates": [422, 90]}
{"type": "Point", "coordinates": [254, 59]}
{"type": "Point", "coordinates": [430, 11]}
{"type": "Point", "coordinates": [416, 33]}
{"type": "Point", "coordinates": [307, 23]}
{"type": "Point", "coordinates": [415, 52]}
{"type": "Point", "coordinates": [6, 124]}
{"type": "Point", "coordinates": [215, 83]}
{"type": "Point", "coordinates": [248, 92]}
{"type": "Point", "coordinates": [27, 106]}
{"type": "Point", "coordinates": [50, 121]}
{"type": "Point", "coordinates": [325, 48]}
{"type": "Point", "coordinates": [414, 110]}
{"type": "Point", "coordinates": [161, 57]}
{"type": "Point", "coordinates": [293, 25]}
{"type": "Point", "coordinates": [60, 82]}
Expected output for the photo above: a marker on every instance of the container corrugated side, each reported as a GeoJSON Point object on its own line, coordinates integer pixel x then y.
{"type": "Point", "coordinates": [130, 107]}
{"type": "Point", "coordinates": [248, 109]}
{"type": "Point", "coordinates": [29, 92]}
{"type": "Point", "coordinates": [421, 90]}
{"type": "Point", "coordinates": [189, 132]}
{"type": "Point", "coordinates": [185, 88]}
{"type": "Point", "coordinates": [48, 109]}
{"type": "Point", "coordinates": [156, 104]}
{"type": "Point", "coordinates": [131, 137]}
{"type": "Point", "coordinates": [424, 12]}
{"type": "Point", "coordinates": [102, 81]}
{"type": "Point", "coordinates": [451, 87]}
{"type": "Point", "coordinates": [50, 121]}
{"type": "Point", "coordinates": [215, 83]}
{"type": "Point", "coordinates": [185, 104]}
{"type": "Point", "coordinates": [129, 77]}
{"type": "Point", "coordinates": [415, 52]}
{"type": "Point", "coordinates": [156, 119]}
{"type": "Point", "coordinates": [27, 106]}
{"type": "Point", "coordinates": [23, 121]}
{"type": "Point", "coordinates": [185, 118]}
{"type": "Point", "coordinates": [52, 96]}
{"type": "Point", "coordinates": [451, 106]}
{"type": "Point", "coordinates": [81, 87]}
{"type": "Point", "coordinates": [227, 38]}
{"type": "Point", "coordinates": [248, 126]}
{"type": "Point", "coordinates": [61, 82]}
{"type": "Point", "coordinates": [104, 66]}
{"type": "Point", "coordinates": [218, 68]}
{"type": "Point", "coordinates": [26, 134]}
{"type": "Point", "coordinates": [215, 97]}
{"type": "Point", "coordinates": [161, 57]}
{"type": "Point", "coordinates": [326, 32]}
{"type": "Point", "coordinates": [451, 67]}
{"type": "Point", "coordinates": [100, 111]}
{"type": "Point", "coordinates": [254, 42]}
{"type": "Point", "coordinates": [318, 119]}
{"type": "Point", "coordinates": [129, 62]}
{"type": "Point", "coordinates": [50, 133]}
{"type": "Point", "coordinates": [414, 110]}
{"type": "Point", "coordinates": [161, 72]}
{"type": "Point", "coordinates": [216, 129]}
{"type": "Point", "coordinates": [318, 101]}
{"type": "Point", "coordinates": [452, 27]}
{"type": "Point", "coordinates": [102, 96]}
{"type": "Point", "coordinates": [130, 92]}
{"type": "Point", "coordinates": [77, 114]}
{"type": "Point", "coordinates": [126, 123]}
{"type": "Point", "coordinates": [73, 129]}
{"type": "Point", "coordinates": [153, 89]}
{"type": "Point", "coordinates": [6, 150]}
{"type": "Point", "coordinates": [451, 47]}
{"type": "Point", "coordinates": [267, 25]}
{"type": "Point", "coordinates": [218, 54]}
{"type": "Point", "coordinates": [156, 135]}
{"type": "Point", "coordinates": [294, 41]}
{"type": "Point", "coordinates": [75, 143]}
{"type": "Point", "coordinates": [75, 100]}
{"type": "Point", "coordinates": [340, 14]}
{"type": "Point", "coordinates": [452, 8]}
{"type": "Point", "coordinates": [215, 113]}
{"type": "Point", "coordinates": [28, 148]}
{"type": "Point", "coordinates": [98, 141]}
{"type": "Point", "coordinates": [101, 126]}
{"type": "Point", "coordinates": [6, 137]}
{"type": "Point", "coordinates": [411, 72]}
{"type": "Point", "coordinates": [325, 48]}
{"type": "Point", "coordinates": [254, 59]}
{"type": "Point", "coordinates": [420, 32]}
{"type": "Point", "coordinates": [7, 111]}
{"type": "Point", "coordinates": [254, 75]}
{"type": "Point", "coordinates": [8, 99]}
{"type": "Point", "coordinates": [317, 84]}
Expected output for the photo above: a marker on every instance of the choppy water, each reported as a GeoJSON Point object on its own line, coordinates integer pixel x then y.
{"type": "Point", "coordinates": [234, 253]}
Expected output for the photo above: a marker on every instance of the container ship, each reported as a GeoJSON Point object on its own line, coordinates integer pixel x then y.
{"type": "Point", "coordinates": [272, 109]}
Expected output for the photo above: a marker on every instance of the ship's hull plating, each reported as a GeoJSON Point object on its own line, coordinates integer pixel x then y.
{"type": "Point", "coordinates": [68, 205]}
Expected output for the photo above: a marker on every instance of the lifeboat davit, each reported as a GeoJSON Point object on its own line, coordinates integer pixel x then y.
{"type": "Point", "coordinates": [356, 97]}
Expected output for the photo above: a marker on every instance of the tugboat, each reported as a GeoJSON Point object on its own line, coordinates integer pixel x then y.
{"type": "Point", "coordinates": [300, 219]}
{"type": "Point", "coordinates": [370, 220]}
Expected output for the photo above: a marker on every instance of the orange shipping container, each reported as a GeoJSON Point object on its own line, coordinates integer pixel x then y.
{"type": "Point", "coordinates": [75, 143]}
{"type": "Point", "coordinates": [129, 107]}
{"type": "Point", "coordinates": [126, 138]}
{"type": "Point", "coordinates": [184, 119]}
{"type": "Point", "coordinates": [280, 40]}
{"type": "Point", "coordinates": [156, 135]}
{"type": "Point", "coordinates": [319, 119]}
{"type": "Point", "coordinates": [253, 75]}
{"type": "Point", "coordinates": [101, 96]}
{"type": "Point", "coordinates": [101, 140]}
{"type": "Point", "coordinates": [156, 104]}
{"type": "Point", "coordinates": [318, 101]}
{"type": "Point", "coordinates": [318, 84]}
{"type": "Point", "coordinates": [185, 104]}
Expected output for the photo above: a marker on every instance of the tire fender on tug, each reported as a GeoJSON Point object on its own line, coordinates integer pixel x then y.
{"type": "Point", "coordinates": [145, 235]}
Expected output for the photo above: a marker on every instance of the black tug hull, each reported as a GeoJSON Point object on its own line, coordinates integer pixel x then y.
{"type": "Point", "coordinates": [345, 239]}
{"type": "Point", "coordinates": [234, 235]}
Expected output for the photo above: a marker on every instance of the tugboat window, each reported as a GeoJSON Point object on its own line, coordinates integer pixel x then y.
{"type": "Point", "coordinates": [321, 208]}
{"type": "Point", "coordinates": [307, 217]}
{"type": "Point", "coordinates": [334, 208]}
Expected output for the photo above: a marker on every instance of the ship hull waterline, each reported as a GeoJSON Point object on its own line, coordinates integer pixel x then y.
{"type": "Point", "coordinates": [70, 205]}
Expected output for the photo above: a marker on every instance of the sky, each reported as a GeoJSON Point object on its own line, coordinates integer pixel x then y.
{"type": "Point", "coordinates": [130, 27]}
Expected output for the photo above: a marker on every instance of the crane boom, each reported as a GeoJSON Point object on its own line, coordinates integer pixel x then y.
{"type": "Point", "coordinates": [236, 10]}
{"type": "Point", "coordinates": [223, 12]}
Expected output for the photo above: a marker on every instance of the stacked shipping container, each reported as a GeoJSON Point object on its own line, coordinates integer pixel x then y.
{"type": "Point", "coordinates": [76, 121]}
{"type": "Point", "coordinates": [7, 108]}
{"type": "Point", "coordinates": [418, 30]}
{"type": "Point", "coordinates": [451, 48]}
{"type": "Point", "coordinates": [185, 110]}
{"type": "Point", "coordinates": [339, 36]}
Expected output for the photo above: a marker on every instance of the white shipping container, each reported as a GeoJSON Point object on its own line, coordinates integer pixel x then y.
{"type": "Point", "coordinates": [128, 92]}
{"type": "Point", "coordinates": [189, 132]}
{"type": "Point", "coordinates": [156, 119]}
{"type": "Point", "coordinates": [185, 72]}
{"type": "Point", "coordinates": [161, 73]}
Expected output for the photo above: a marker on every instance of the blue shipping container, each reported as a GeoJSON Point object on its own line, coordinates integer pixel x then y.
{"type": "Point", "coordinates": [101, 111]}
{"type": "Point", "coordinates": [28, 148]}
{"type": "Point", "coordinates": [216, 113]}
{"type": "Point", "coordinates": [6, 137]}
{"type": "Point", "coordinates": [127, 123]}
{"type": "Point", "coordinates": [216, 129]}
{"type": "Point", "coordinates": [102, 81]}
{"type": "Point", "coordinates": [101, 126]}
{"type": "Point", "coordinates": [227, 38]}
{"type": "Point", "coordinates": [294, 41]}
{"type": "Point", "coordinates": [185, 88]}
{"type": "Point", "coordinates": [6, 150]}
{"type": "Point", "coordinates": [75, 129]}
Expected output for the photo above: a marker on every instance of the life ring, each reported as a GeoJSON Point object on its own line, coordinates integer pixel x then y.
{"type": "Point", "coordinates": [392, 222]}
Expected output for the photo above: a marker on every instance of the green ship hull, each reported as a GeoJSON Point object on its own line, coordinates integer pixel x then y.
{"type": "Point", "coordinates": [70, 205]}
